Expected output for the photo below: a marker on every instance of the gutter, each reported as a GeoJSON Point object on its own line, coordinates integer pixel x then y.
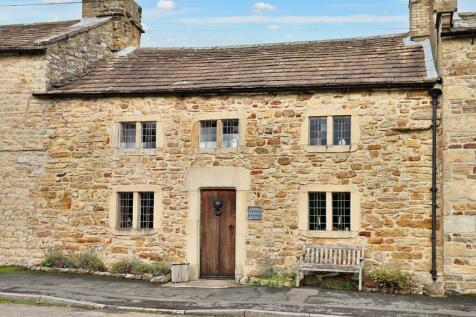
{"type": "Point", "coordinates": [435, 93]}
{"type": "Point", "coordinates": [423, 85]}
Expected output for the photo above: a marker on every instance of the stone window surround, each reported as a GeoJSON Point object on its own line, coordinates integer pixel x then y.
{"type": "Point", "coordinates": [330, 147]}
{"type": "Point", "coordinates": [136, 189]}
{"type": "Point", "coordinates": [116, 132]}
{"type": "Point", "coordinates": [218, 116]}
{"type": "Point", "coordinates": [303, 211]}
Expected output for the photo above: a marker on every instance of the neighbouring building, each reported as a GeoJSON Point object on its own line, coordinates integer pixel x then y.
{"type": "Point", "coordinates": [233, 158]}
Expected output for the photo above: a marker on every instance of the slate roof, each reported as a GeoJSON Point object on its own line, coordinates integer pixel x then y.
{"type": "Point", "coordinates": [467, 21]}
{"type": "Point", "coordinates": [35, 36]}
{"type": "Point", "coordinates": [376, 61]}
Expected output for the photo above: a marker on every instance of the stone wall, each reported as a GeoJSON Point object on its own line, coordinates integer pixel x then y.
{"type": "Point", "coordinates": [391, 166]}
{"type": "Point", "coordinates": [459, 166]}
{"type": "Point", "coordinates": [71, 58]}
{"type": "Point", "coordinates": [23, 130]}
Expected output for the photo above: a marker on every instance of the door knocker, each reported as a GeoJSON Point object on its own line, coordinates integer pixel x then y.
{"type": "Point", "coordinates": [217, 207]}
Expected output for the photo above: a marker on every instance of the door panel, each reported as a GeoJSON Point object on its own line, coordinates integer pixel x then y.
{"type": "Point", "coordinates": [217, 233]}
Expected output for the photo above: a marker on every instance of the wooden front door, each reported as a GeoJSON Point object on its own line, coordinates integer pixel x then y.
{"type": "Point", "coordinates": [217, 232]}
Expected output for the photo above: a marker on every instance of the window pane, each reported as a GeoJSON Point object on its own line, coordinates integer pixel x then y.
{"type": "Point", "coordinates": [149, 135]}
{"type": "Point", "coordinates": [230, 133]}
{"type": "Point", "coordinates": [125, 210]}
{"type": "Point", "coordinates": [318, 131]}
{"type": "Point", "coordinates": [208, 134]}
{"type": "Point", "coordinates": [341, 211]}
{"type": "Point", "coordinates": [146, 210]}
{"type": "Point", "coordinates": [128, 135]}
{"type": "Point", "coordinates": [342, 130]}
{"type": "Point", "coordinates": [317, 211]}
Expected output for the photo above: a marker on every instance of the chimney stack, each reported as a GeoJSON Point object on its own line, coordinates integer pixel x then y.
{"type": "Point", "coordinates": [126, 15]}
{"type": "Point", "coordinates": [421, 19]}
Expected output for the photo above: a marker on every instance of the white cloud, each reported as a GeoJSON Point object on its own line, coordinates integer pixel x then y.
{"type": "Point", "coordinates": [55, 1]}
{"type": "Point", "coordinates": [296, 19]}
{"type": "Point", "coordinates": [166, 5]}
{"type": "Point", "coordinates": [260, 7]}
{"type": "Point", "coordinates": [273, 27]}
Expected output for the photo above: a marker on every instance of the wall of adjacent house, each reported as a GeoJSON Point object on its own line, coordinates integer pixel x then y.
{"type": "Point", "coordinates": [459, 165]}
{"type": "Point", "coordinates": [71, 58]}
{"type": "Point", "coordinates": [390, 167]}
{"type": "Point", "coordinates": [23, 130]}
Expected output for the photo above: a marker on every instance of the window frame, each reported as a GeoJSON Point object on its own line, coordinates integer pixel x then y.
{"type": "Point", "coordinates": [139, 144]}
{"type": "Point", "coordinates": [219, 117]}
{"type": "Point", "coordinates": [330, 147]}
{"type": "Point", "coordinates": [304, 211]}
{"type": "Point", "coordinates": [115, 216]}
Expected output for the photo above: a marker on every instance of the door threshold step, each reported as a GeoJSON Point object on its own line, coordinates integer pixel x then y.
{"type": "Point", "coordinates": [206, 283]}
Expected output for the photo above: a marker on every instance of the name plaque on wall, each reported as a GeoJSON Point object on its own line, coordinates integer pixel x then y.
{"type": "Point", "coordinates": [254, 212]}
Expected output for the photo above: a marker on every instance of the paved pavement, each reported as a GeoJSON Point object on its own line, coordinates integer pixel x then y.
{"type": "Point", "coordinates": [143, 294]}
{"type": "Point", "coordinates": [15, 310]}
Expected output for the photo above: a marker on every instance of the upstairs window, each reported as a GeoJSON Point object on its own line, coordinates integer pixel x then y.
{"type": "Point", "coordinates": [219, 134]}
{"type": "Point", "coordinates": [138, 135]}
{"type": "Point", "coordinates": [230, 133]}
{"type": "Point", "coordinates": [149, 135]}
{"type": "Point", "coordinates": [208, 134]}
{"type": "Point", "coordinates": [342, 130]}
{"type": "Point", "coordinates": [318, 131]}
{"type": "Point", "coordinates": [128, 135]}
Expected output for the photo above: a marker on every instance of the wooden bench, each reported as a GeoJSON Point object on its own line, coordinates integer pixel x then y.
{"type": "Point", "coordinates": [331, 258]}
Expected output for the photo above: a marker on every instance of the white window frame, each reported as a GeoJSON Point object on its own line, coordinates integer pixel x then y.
{"type": "Point", "coordinates": [114, 212]}
{"type": "Point", "coordinates": [355, 212]}
{"type": "Point", "coordinates": [305, 138]}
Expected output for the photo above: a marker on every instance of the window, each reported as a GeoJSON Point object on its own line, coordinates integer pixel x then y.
{"type": "Point", "coordinates": [331, 131]}
{"type": "Point", "coordinates": [219, 133]}
{"type": "Point", "coordinates": [230, 133]}
{"type": "Point", "coordinates": [317, 211]}
{"type": "Point", "coordinates": [128, 135]}
{"type": "Point", "coordinates": [149, 135]}
{"type": "Point", "coordinates": [127, 211]}
{"type": "Point", "coordinates": [138, 135]}
{"type": "Point", "coordinates": [338, 211]}
{"type": "Point", "coordinates": [342, 128]}
{"type": "Point", "coordinates": [126, 207]}
{"type": "Point", "coordinates": [318, 131]}
{"type": "Point", "coordinates": [341, 211]}
{"type": "Point", "coordinates": [208, 134]}
{"type": "Point", "coordinates": [146, 210]}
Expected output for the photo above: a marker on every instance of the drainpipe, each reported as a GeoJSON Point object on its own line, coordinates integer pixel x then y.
{"type": "Point", "coordinates": [435, 94]}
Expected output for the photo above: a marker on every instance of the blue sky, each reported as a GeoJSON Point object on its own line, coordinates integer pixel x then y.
{"type": "Point", "coordinates": [235, 22]}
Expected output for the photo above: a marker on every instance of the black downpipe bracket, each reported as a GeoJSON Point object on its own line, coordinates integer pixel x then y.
{"type": "Point", "coordinates": [435, 94]}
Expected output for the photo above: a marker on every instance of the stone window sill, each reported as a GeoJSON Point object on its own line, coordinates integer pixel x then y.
{"type": "Point", "coordinates": [330, 148]}
{"type": "Point", "coordinates": [331, 234]}
{"type": "Point", "coordinates": [133, 232]}
{"type": "Point", "coordinates": [137, 151]}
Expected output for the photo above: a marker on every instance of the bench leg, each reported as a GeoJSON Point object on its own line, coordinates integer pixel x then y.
{"type": "Point", "coordinates": [360, 280]}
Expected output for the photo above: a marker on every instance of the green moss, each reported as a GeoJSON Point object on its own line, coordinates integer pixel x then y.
{"type": "Point", "coordinates": [12, 269]}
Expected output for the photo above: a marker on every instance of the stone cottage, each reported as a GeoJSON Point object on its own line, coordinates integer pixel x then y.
{"type": "Point", "coordinates": [232, 158]}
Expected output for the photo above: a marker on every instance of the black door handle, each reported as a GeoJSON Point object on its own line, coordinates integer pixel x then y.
{"type": "Point", "coordinates": [231, 227]}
